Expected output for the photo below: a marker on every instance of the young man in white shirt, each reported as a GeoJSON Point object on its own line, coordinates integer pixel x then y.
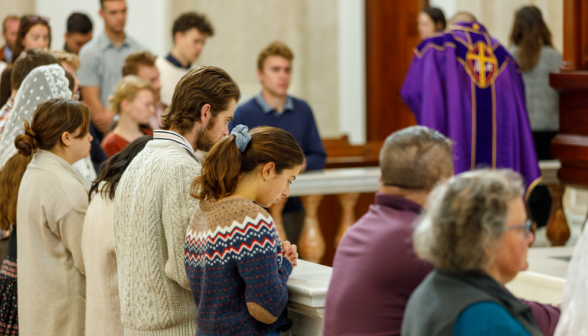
{"type": "Point", "coordinates": [189, 32]}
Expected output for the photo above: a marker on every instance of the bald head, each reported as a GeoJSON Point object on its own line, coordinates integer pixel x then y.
{"type": "Point", "coordinates": [416, 158]}
{"type": "Point", "coordinates": [465, 17]}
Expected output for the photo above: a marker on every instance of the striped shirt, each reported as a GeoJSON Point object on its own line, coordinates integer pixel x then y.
{"type": "Point", "coordinates": [165, 135]}
{"type": "Point", "coordinates": [102, 63]}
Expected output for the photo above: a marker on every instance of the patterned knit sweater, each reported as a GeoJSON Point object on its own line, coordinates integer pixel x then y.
{"type": "Point", "coordinates": [237, 274]}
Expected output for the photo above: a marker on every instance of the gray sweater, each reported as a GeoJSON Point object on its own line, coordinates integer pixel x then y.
{"type": "Point", "coordinates": [542, 99]}
{"type": "Point", "coordinates": [152, 210]}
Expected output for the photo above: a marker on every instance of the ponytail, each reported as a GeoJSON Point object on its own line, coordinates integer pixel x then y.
{"type": "Point", "coordinates": [226, 162]}
{"type": "Point", "coordinates": [220, 171]}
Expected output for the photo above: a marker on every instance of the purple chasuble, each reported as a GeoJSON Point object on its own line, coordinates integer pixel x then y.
{"type": "Point", "coordinates": [466, 85]}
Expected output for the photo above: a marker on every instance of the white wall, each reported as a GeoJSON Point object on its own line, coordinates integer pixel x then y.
{"type": "Point", "coordinates": [147, 21]}
{"type": "Point", "coordinates": [351, 54]}
{"type": "Point", "coordinates": [242, 28]}
{"type": "Point", "coordinates": [498, 15]}
{"type": "Point", "coordinates": [447, 6]}
{"type": "Point", "coordinates": [13, 7]}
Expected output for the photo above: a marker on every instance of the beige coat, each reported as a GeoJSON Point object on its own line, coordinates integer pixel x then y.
{"type": "Point", "coordinates": [52, 203]}
{"type": "Point", "coordinates": [102, 300]}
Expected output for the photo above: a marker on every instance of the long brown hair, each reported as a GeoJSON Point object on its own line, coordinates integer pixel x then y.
{"type": "Point", "coordinates": [26, 23]}
{"type": "Point", "coordinates": [52, 118]}
{"type": "Point", "coordinates": [10, 178]}
{"type": "Point", "coordinates": [225, 163]}
{"type": "Point", "coordinates": [113, 169]}
{"type": "Point", "coordinates": [529, 34]}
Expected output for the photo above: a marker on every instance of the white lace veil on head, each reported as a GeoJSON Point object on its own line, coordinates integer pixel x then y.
{"type": "Point", "coordinates": [42, 83]}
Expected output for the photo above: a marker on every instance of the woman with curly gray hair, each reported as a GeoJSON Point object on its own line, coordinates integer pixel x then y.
{"type": "Point", "coordinates": [476, 233]}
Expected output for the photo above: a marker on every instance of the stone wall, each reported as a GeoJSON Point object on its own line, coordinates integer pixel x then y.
{"type": "Point", "coordinates": [498, 16]}
{"type": "Point", "coordinates": [15, 7]}
{"type": "Point", "coordinates": [308, 27]}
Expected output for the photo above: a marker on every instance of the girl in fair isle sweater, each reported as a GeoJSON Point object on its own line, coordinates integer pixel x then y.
{"type": "Point", "coordinates": [234, 260]}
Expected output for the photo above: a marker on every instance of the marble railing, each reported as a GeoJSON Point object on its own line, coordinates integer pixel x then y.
{"type": "Point", "coordinates": [308, 285]}
{"type": "Point", "coordinates": [545, 279]}
{"type": "Point", "coordinates": [307, 291]}
{"type": "Point", "coordinates": [348, 183]}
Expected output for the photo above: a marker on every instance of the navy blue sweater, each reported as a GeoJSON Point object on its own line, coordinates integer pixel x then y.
{"type": "Point", "coordinates": [299, 122]}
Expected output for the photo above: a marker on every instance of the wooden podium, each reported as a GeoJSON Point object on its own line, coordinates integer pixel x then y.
{"type": "Point", "coordinates": [570, 146]}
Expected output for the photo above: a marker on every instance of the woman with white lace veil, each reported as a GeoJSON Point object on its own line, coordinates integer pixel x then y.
{"type": "Point", "coordinates": [574, 306]}
{"type": "Point", "coordinates": [41, 84]}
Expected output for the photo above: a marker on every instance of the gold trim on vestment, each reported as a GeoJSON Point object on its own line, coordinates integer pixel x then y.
{"type": "Point", "coordinates": [466, 29]}
{"type": "Point", "coordinates": [419, 54]}
{"type": "Point", "coordinates": [459, 39]}
{"type": "Point", "coordinates": [532, 186]}
{"type": "Point", "coordinates": [494, 139]}
{"type": "Point", "coordinates": [488, 41]}
{"type": "Point", "coordinates": [469, 38]}
{"type": "Point", "coordinates": [474, 125]}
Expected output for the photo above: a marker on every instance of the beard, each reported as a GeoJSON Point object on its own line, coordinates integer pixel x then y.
{"type": "Point", "coordinates": [204, 138]}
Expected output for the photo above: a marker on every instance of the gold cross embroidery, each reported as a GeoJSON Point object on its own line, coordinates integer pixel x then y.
{"type": "Point", "coordinates": [482, 59]}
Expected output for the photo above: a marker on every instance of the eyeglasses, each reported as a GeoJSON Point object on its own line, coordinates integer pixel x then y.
{"type": "Point", "coordinates": [527, 226]}
{"type": "Point", "coordinates": [76, 96]}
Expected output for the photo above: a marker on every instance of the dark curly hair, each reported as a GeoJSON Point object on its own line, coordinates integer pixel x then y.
{"type": "Point", "coordinates": [113, 169]}
{"type": "Point", "coordinates": [192, 20]}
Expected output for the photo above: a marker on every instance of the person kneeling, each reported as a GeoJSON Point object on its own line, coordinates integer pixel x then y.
{"type": "Point", "coordinates": [232, 246]}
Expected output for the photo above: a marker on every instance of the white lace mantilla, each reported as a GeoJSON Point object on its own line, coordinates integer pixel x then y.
{"type": "Point", "coordinates": [43, 83]}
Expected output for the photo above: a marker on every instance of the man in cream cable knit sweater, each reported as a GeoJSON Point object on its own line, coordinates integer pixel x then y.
{"type": "Point", "coordinates": [152, 207]}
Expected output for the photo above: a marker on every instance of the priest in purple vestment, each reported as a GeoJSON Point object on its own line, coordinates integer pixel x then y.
{"type": "Point", "coordinates": [466, 85]}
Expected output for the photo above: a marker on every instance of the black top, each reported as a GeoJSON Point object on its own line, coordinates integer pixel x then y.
{"type": "Point", "coordinates": [436, 304]}
{"type": "Point", "coordinates": [177, 63]}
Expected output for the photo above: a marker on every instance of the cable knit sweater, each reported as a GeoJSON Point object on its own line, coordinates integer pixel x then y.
{"type": "Point", "coordinates": [237, 272]}
{"type": "Point", "coordinates": [152, 210]}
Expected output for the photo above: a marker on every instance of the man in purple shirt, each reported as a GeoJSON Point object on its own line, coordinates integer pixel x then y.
{"type": "Point", "coordinates": [375, 268]}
